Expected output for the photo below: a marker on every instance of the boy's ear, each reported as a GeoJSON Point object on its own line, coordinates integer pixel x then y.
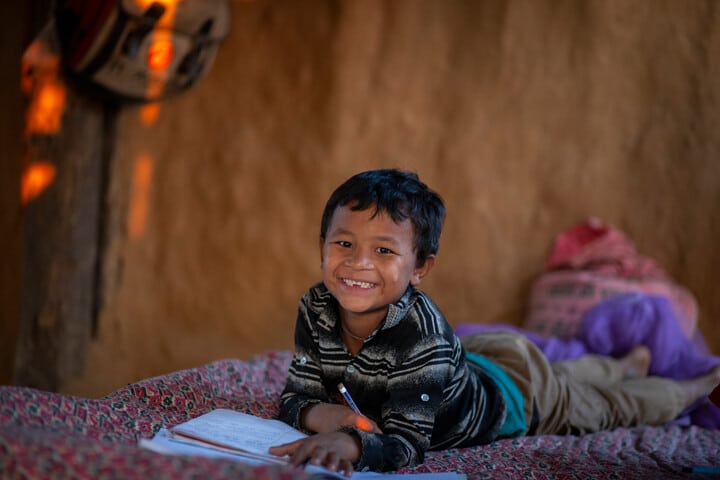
{"type": "Point", "coordinates": [423, 270]}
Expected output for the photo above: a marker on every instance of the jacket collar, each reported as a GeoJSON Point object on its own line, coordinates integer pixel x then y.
{"type": "Point", "coordinates": [325, 306]}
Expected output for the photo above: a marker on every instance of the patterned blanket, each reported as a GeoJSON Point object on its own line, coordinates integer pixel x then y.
{"type": "Point", "coordinates": [49, 435]}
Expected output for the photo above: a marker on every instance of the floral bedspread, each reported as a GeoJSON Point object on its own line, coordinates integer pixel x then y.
{"type": "Point", "coordinates": [49, 435]}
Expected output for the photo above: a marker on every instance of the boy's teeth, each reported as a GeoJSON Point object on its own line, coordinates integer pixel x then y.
{"type": "Point", "coordinates": [354, 283]}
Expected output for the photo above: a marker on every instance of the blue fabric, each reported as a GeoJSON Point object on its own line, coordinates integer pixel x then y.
{"type": "Point", "coordinates": [515, 422]}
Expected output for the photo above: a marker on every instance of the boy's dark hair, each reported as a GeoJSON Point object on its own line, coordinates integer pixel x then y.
{"type": "Point", "coordinates": [401, 195]}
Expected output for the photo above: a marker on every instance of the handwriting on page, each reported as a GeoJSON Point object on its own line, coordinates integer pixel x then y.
{"type": "Point", "coordinates": [239, 430]}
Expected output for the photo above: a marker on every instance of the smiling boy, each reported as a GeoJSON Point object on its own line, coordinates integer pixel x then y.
{"type": "Point", "coordinates": [366, 325]}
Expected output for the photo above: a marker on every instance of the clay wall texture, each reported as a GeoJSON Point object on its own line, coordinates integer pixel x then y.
{"type": "Point", "coordinates": [527, 116]}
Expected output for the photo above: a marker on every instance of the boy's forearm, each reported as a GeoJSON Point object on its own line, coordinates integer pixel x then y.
{"type": "Point", "coordinates": [291, 408]}
{"type": "Point", "coordinates": [326, 417]}
{"type": "Point", "coordinates": [306, 424]}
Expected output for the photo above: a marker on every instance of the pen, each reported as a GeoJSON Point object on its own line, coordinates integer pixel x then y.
{"type": "Point", "coordinates": [348, 398]}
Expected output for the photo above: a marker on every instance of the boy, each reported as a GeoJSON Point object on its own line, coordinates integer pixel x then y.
{"type": "Point", "coordinates": [368, 327]}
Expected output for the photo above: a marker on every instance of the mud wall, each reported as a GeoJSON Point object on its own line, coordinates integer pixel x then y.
{"type": "Point", "coordinates": [526, 116]}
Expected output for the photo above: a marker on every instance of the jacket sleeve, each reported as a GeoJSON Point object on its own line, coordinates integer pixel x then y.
{"type": "Point", "coordinates": [303, 386]}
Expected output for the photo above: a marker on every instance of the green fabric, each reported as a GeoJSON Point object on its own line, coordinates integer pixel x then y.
{"type": "Point", "coordinates": [515, 422]}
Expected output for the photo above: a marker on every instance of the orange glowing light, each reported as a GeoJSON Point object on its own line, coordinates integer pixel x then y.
{"type": "Point", "coordinates": [140, 196]}
{"type": "Point", "coordinates": [144, 4]}
{"type": "Point", "coordinates": [170, 7]}
{"type": "Point", "coordinates": [150, 113]}
{"type": "Point", "coordinates": [38, 62]}
{"type": "Point", "coordinates": [363, 423]}
{"type": "Point", "coordinates": [160, 54]}
{"type": "Point", "coordinates": [161, 51]}
{"type": "Point", "coordinates": [47, 95]}
{"type": "Point", "coordinates": [35, 179]}
{"type": "Point", "coordinates": [26, 78]}
{"type": "Point", "coordinates": [44, 114]}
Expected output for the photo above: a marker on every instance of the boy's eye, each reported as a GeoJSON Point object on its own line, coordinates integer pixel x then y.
{"type": "Point", "coordinates": [384, 250]}
{"type": "Point", "coordinates": [343, 243]}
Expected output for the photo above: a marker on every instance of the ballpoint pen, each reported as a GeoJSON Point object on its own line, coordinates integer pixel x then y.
{"type": "Point", "coordinates": [361, 421]}
{"type": "Point", "coordinates": [348, 398]}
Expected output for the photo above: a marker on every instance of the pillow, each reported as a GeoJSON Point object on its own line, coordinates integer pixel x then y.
{"type": "Point", "coordinates": [589, 263]}
{"type": "Point", "coordinates": [558, 300]}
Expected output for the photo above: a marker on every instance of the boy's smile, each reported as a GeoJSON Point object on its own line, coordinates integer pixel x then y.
{"type": "Point", "coordinates": [368, 261]}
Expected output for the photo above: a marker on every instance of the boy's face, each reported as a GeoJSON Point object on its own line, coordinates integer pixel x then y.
{"type": "Point", "coordinates": [368, 262]}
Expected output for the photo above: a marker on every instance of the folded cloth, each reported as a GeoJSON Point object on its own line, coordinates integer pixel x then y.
{"type": "Point", "coordinates": [616, 325]}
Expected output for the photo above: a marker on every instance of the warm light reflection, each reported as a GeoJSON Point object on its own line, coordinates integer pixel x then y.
{"type": "Point", "coordinates": [149, 113]}
{"type": "Point", "coordinates": [140, 196]}
{"type": "Point", "coordinates": [160, 54]}
{"type": "Point", "coordinates": [46, 91]}
{"type": "Point", "coordinates": [158, 77]}
{"type": "Point", "coordinates": [144, 4]}
{"type": "Point", "coordinates": [35, 179]}
{"type": "Point", "coordinates": [363, 423]}
{"type": "Point", "coordinates": [170, 7]}
{"type": "Point", "coordinates": [44, 114]}
{"type": "Point", "coordinates": [38, 61]}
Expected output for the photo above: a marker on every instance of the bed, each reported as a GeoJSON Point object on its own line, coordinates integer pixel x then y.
{"type": "Point", "coordinates": [50, 435]}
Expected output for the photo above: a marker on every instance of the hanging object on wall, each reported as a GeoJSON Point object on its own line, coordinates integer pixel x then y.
{"type": "Point", "coordinates": [140, 50]}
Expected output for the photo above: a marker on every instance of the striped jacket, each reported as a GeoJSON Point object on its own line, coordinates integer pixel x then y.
{"type": "Point", "coordinates": [410, 377]}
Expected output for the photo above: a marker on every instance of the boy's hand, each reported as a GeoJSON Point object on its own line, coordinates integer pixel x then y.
{"type": "Point", "coordinates": [329, 417]}
{"type": "Point", "coordinates": [336, 451]}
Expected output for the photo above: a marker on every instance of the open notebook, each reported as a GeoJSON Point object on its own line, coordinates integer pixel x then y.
{"type": "Point", "coordinates": [226, 433]}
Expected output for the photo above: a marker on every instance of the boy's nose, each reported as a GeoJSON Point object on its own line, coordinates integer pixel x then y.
{"type": "Point", "coordinates": [360, 258]}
